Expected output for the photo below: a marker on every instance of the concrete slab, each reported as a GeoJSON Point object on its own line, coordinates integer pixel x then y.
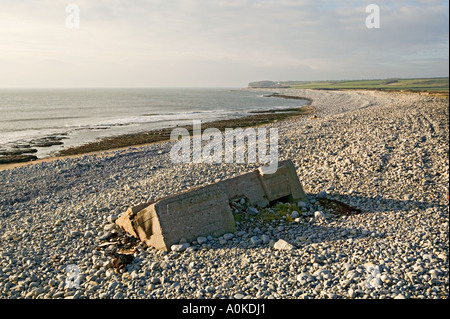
{"type": "Point", "coordinates": [206, 211]}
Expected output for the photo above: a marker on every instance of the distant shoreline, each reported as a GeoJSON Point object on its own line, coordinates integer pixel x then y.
{"type": "Point", "coordinates": [125, 141]}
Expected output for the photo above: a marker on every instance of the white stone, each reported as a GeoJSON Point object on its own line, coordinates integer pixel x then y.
{"type": "Point", "coordinates": [319, 215]}
{"type": "Point", "coordinates": [351, 293]}
{"type": "Point", "coordinates": [442, 256]}
{"type": "Point", "coordinates": [109, 227]}
{"type": "Point", "coordinates": [179, 247]}
{"type": "Point", "coordinates": [112, 218]}
{"type": "Point", "coordinates": [385, 278]}
{"type": "Point", "coordinates": [281, 244]}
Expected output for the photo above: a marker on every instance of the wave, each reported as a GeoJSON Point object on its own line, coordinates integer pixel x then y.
{"type": "Point", "coordinates": [38, 119]}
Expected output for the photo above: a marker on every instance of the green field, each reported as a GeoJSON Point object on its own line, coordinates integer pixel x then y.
{"type": "Point", "coordinates": [432, 85]}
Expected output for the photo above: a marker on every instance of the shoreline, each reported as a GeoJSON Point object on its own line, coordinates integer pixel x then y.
{"type": "Point", "coordinates": [125, 141]}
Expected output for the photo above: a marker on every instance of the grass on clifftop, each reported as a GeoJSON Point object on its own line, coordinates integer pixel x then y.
{"type": "Point", "coordinates": [435, 86]}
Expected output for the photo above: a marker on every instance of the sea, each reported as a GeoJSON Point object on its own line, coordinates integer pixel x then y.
{"type": "Point", "coordinates": [78, 116]}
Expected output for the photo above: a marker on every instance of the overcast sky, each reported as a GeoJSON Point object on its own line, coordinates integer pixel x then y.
{"type": "Point", "coordinates": [217, 43]}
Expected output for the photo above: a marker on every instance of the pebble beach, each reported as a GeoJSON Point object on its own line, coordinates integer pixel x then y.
{"type": "Point", "coordinates": [385, 154]}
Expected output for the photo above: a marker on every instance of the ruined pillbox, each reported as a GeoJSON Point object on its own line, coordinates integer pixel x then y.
{"type": "Point", "coordinates": [206, 210]}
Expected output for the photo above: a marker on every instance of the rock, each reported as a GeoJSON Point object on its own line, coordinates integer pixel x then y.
{"type": "Point", "coordinates": [265, 239]}
{"type": "Point", "coordinates": [252, 211]}
{"type": "Point", "coordinates": [400, 296]}
{"type": "Point", "coordinates": [294, 214]}
{"type": "Point", "coordinates": [47, 142]}
{"type": "Point", "coordinates": [301, 204]}
{"type": "Point", "coordinates": [109, 227]}
{"type": "Point", "coordinates": [113, 285]}
{"type": "Point", "coordinates": [112, 218]}
{"type": "Point", "coordinates": [435, 272]}
{"type": "Point", "coordinates": [301, 239]}
{"type": "Point", "coordinates": [374, 282]}
{"type": "Point", "coordinates": [228, 236]}
{"type": "Point", "coordinates": [105, 235]}
{"type": "Point", "coordinates": [442, 257]}
{"type": "Point", "coordinates": [385, 278]}
{"type": "Point", "coordinates": [118, 295]}
{"type": "Point", "coordinates": [255, 240]}
{"type": "Point", "coordinates": [201, 240]}
{"type": "Point", "coordinates": [179, 247]}
{"type": "Point", "coordinates": [319, 215]}
{"type": "Point", "coordinates": [322, 195]}
{"type": "Point", "coordinates": [228, 284]}
{"type": "Point", "coordinates": [134, 275]}
{"type": "Point", "coordinates": [281, 244]}
{"type": "Point", "coordinates": [351, 293]}
{"type": "Point", "coordinates": [17, 158]}
{"type": "Point", "coordinates": [260, 274]}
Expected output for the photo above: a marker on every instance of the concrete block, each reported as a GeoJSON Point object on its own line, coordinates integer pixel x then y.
{"type": "Point", "coordinates": [205, 211]}
{"type": "Point", "coordinates": [202, 211]}
{"type": "Point", "coordinates": [249, 186]}
{"type": "Point", "coordinates": [283, 183]}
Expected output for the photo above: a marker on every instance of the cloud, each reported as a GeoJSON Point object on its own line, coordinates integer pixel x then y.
{"type": "Point", "coordinates": [218, 42]}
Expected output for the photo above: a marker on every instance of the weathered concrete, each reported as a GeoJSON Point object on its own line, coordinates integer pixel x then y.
{"type": "Point", "coordinates": [283, 183]}
{"type": "Point", "coordinates": [202, 211]}
{"type": "Point", "coordinates": [206, 211]}
{"type": "Point", "coordinates": [247, 185]}
{"type": "Point", "coordinates": [260, 188]}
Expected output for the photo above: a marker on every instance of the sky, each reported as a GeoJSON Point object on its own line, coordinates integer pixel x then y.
{"type": "Point", "coordinates": [217, 43]}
